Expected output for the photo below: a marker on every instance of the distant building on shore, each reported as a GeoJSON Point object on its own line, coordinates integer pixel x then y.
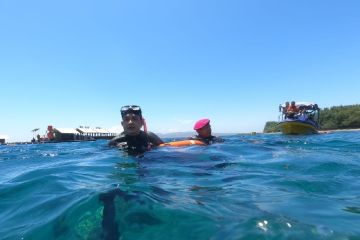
{"type": "Point", "coordinates": [66, 134]}
{"type": "Point", "coordinates": [3, 139]}
{"type": "Point", "coordinates": [96, 133]}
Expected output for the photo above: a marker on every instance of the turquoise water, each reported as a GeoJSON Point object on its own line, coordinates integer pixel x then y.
{"type": "Point", "coordinates": [250, 187]}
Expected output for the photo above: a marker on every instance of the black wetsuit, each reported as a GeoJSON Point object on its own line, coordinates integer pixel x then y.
{"type": "Point", "coordinates": [208, 140]}
{"type": "Point", "coordinates": [133, 145]}
{"type": "Point", "coordinates": [136, 144]}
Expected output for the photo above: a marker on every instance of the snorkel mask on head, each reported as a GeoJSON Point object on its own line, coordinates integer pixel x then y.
{"type": "Point", "coordinates": [130, 109]}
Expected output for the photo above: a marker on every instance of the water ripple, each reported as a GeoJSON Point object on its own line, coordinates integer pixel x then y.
{"type": "Point", "coordinates": [264, 186]}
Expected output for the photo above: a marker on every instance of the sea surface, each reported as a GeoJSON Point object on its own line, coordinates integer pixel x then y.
{"type": "Point", "coordinates": [265, 186]}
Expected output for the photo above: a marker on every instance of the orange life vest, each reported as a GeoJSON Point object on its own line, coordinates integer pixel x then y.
{"type": "Point", "coordinates": [182, 143]}
{"type": "Point", "coordinates": [292, 109]}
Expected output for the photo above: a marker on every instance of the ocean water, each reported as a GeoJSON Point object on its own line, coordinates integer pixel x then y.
{"type": "Point", "coordinates": [264, 186]}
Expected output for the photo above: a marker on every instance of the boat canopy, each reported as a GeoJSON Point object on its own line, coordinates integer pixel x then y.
{"type": "Point", "coordinates": [298, 104]}
{"type": "Point", "coordinates": [307, 105]}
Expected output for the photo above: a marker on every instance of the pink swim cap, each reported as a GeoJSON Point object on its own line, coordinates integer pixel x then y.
{"type": "Point", "coordinates": [201, 123]}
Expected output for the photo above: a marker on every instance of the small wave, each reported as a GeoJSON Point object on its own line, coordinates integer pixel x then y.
{"type": "Point", "coordinates": [250, 187]}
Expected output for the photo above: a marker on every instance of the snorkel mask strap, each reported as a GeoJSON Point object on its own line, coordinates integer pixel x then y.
{"type": "Point", "coordinates": [144, 124]}
{"type": "Point", "coordinates": [146, 132]}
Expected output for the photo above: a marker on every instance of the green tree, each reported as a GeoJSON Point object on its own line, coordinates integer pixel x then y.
{"type": "Point", "coordinates": [340, 117]}
{"type": "Point", "coordinates": [271, 126]}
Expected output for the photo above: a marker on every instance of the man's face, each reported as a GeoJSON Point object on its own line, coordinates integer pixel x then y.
{"type": "Point", "coordinates": [205, 131]}
{"type": "Point", "coordinates": [132, 124]}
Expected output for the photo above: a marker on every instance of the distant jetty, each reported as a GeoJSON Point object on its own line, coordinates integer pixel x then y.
{"type": "Point", "coordinates": [82, 133]}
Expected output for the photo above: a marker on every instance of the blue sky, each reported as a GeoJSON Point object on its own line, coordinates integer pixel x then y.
{"type": "Point", "coordinates": [71, 63]}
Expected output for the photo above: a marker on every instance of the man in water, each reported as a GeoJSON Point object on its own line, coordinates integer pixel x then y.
{"type": "Point", "coordinates": [133, 140]}
{"type": "Point", "coordinates": [203, 129]}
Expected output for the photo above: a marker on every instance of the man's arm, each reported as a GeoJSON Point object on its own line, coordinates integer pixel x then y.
{"type": "Point", "coordinates": [114, 141]}
{"type": "Point", "coordinates": [154, 139]}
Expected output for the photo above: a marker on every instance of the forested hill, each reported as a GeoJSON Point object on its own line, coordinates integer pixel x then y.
{"type": "Point", "coordinates": [339, 117]}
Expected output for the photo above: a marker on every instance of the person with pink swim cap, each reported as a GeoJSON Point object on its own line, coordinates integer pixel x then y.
{"type": "Point", "coordinates": [203, 129]}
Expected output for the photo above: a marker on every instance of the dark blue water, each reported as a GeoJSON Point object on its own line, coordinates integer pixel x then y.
{"type": "Point", "coordinates": [250, 187]}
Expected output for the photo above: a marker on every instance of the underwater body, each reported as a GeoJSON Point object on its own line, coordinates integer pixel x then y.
{"type": "Point", "coordinates": [265, 186]}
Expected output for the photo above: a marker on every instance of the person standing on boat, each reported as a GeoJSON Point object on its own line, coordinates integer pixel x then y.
{"type": "Point", "coordinates": [292, 110]}
{"type": "Point", "coordinates": [283, 109]}
{"type": "Point", "coordinates": [133, 140]}
{"type": "Point", "coordinates": [203, 129]}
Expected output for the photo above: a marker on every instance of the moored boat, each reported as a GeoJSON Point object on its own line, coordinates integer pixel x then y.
{"type": "Point", "coordinates": [302, 121]}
